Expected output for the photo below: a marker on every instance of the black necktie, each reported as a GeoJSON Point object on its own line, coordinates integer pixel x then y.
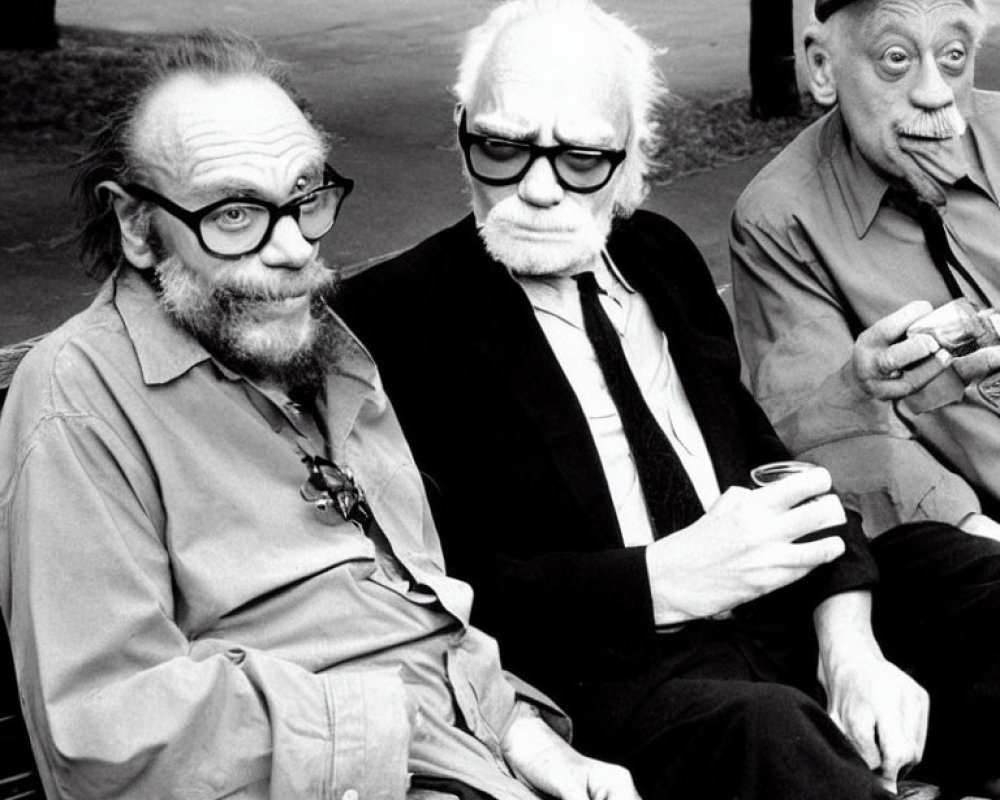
{"type": "Point", "coordinates": [670, 497]}
{"type": "Point", "coordinates": [929, 219]}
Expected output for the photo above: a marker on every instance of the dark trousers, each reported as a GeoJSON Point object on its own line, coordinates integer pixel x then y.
{"type": "Point", "coordinates": [937, 615]}
{"type": "Point", "coordinates": [719, 718]}
{"type": "Point", "coordinates": [732, 708]}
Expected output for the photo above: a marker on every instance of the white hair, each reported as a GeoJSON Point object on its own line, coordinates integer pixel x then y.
{"type": "Point", "coordinates": [643, 80]}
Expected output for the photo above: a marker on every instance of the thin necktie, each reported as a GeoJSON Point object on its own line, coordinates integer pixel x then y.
{"type": "Point", "coordinates": [671, 500]}
{"type": "Point", "coordinates": [929, 219]}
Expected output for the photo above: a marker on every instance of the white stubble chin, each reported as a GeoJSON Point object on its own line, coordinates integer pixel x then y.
{"type": "Point", "coordinates": [551, 241]}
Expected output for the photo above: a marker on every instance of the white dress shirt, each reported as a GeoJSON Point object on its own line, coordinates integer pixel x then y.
{"type": "Point", "coordinates": [556, 302]}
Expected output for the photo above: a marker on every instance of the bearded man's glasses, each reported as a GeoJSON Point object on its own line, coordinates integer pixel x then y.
{"type": "Point", "coordinates": [501, 162]}
{"type": "Point", "coordinates": [235, 226]}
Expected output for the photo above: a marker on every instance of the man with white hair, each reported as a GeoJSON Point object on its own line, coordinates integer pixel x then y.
{"type": "Point", "coordinates": [881, 211]}
{"type": "Point", "coordinates": [567, 377]}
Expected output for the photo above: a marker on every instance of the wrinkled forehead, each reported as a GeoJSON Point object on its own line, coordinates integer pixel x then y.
{"type": "Point", "coordinates": [560, 72]}
{"type": "Point", "coordinates": [195, 132]}
{"type": "Point", "coordinates": [927, 18]}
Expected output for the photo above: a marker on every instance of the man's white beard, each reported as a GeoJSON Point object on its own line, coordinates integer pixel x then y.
{"type": "Point", "coordinates": [558, 240]}
{"type": "Point", "coordinates": [231, 321]}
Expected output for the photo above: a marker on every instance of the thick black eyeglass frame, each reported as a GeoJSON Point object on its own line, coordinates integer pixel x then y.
{"type": "Point", "coordinates": [535, 151]}
{"type": "Point", "coordinates": [331, 180]}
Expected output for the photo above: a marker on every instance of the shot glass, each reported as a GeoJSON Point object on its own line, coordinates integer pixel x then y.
{"type": "Point", "coordinates": [776, 470]}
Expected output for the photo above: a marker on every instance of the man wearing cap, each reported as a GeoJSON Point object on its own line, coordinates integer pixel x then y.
{"type": "Point", "coordinates": [879, 212]}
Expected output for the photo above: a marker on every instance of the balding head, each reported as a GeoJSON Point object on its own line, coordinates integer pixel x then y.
{"type": "Point", "coordinates": [210, 54]}
{"type": "Point", "coordinates": [902, 74]}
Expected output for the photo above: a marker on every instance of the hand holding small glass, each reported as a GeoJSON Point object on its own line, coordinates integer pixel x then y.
{"type": "Point", "coordinates": [744, 547]}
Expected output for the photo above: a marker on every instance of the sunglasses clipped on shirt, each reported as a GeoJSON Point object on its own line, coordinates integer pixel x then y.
{"type": "Point", "coordinates": [501, 162]}
{"type": "Point", "coordinates": [240, 226]}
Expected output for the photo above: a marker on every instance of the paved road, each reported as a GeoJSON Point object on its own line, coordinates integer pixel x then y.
{"type": "Point", "coordinates": [378, 73]}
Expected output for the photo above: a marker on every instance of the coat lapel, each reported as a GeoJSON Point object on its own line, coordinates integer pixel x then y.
{"type": "Point", "coordinates": [511, 347]}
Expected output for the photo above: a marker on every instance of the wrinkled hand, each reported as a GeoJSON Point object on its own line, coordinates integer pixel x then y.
{"type": "Point", "coordinates": [984, 361]}
{"type": "Point", "coordinates": [543, 760]}
{"type": "Point", "coordinates": [743, 547]}
{"type": "Point", "coordinates": [883, 712]}
{"type": "Point", "coordinates": [887, 366]}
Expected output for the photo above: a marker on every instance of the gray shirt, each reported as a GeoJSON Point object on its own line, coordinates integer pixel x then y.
{"type": "Point", "coordinates": [812, 245]}
{"type": "Point", "coordinates": [184, 623]}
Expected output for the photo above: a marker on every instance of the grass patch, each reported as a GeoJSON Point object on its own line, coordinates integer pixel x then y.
{"type": "Point", "coordinates": [51, 100]}
{"type": "Point", "coordinates": [704, 134]}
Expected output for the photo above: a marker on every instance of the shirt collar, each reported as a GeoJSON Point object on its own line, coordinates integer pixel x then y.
{"type": "Point", "coordinates": [165, 351]}
{"type": "Point", "coordinates": [613, 268]}
{"type": "Point", "coordinates": [863, 188]}
{"type": "Point", "coordinates": [983, 154]}
{"type": "Point", "coordinates": [558, 294]}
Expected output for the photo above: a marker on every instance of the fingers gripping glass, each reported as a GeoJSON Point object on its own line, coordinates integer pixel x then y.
{"type": "Point", "coordinates": [500, 162]}
{"type": "Point", "coordinates": [236, 226]}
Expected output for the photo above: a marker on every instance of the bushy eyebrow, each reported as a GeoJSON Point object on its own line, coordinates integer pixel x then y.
{"type": "Point", "coordinates": [495, 128]}
{"type": "Point", "coordinates": [600, 141]}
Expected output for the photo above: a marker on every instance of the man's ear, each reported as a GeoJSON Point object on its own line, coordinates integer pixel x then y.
{"type": "Point", "coordinates": [135, 234]}
{"type": "Point", "coordinates": [821, 81]}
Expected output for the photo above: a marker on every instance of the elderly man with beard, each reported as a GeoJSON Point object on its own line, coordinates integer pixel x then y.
{"type": "Point", "coordinates": [567, 377]}
{"type": "Point", "coordinates": [219, 571]}
{"type": "Point", "coordinates": [880, 211]}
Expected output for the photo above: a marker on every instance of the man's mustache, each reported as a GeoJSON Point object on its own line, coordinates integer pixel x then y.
{"type": "Point", "coordinates": [511, 212]}
{"type": "Point", "coordinates": [312, 278]}
{"type": "Point", "coordinates": [941, 123]}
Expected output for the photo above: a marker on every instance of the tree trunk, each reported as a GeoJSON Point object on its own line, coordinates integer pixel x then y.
{"type": "Point", "coordinates": [773, 84]}
{"type": "Point", "coordinates": [28, 25]}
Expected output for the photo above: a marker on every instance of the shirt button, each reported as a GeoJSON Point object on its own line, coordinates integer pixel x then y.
{"type": "Point", "coordinates": [350, 794]}
{"type": "Point", "coordinates": [236, 655]}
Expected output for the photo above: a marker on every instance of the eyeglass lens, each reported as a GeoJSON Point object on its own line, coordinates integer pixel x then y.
{"type": "Point", "coordinates": [498, 160]}
{"type": "Point", "coordinates": [242, 225]}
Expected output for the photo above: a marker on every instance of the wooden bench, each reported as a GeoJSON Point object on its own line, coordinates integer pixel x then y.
{"type": "Point", "coordinates": [18, 775]}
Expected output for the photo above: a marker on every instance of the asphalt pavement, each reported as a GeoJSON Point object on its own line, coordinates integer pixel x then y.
{"type": "Point", "coordinates": [377, 73]}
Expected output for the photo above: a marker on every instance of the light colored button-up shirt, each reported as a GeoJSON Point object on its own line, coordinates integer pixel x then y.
{"type": "Point", "coordinates": [556, 302]}
{"type": "Point", "coordinates": [811, 237]}
{"type": "Point", "coordinates": [184, 624]}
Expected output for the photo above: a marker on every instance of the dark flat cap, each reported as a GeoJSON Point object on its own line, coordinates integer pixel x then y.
{"type": "Point", "coordinates": [824, 8]}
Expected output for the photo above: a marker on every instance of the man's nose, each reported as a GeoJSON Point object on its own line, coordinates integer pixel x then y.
{"type": "Point", "coordinates": [539, 186]}
{"type": "Point", "coordinates": [931, 89]}
{"type": "Point", "coordinates": [287, 247]}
